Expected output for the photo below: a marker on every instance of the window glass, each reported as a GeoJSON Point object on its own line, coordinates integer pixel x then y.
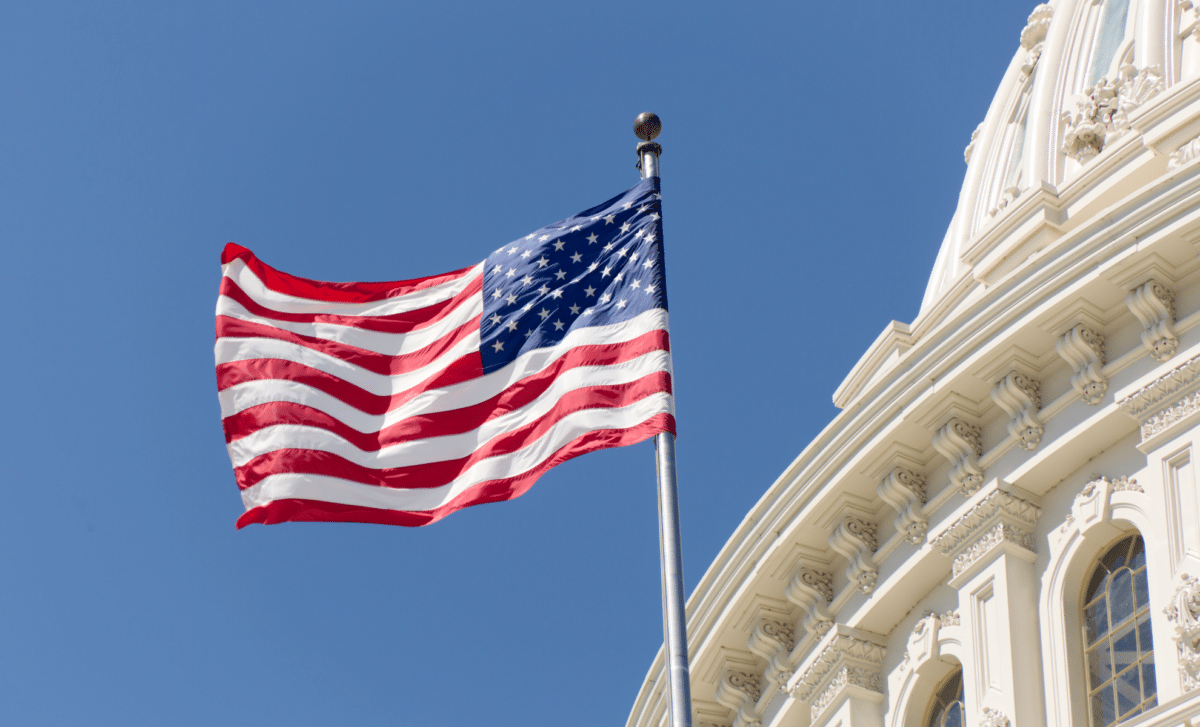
{"type": "Point", "coordinates": [1108, 40]}
{"type": "Point", "coordinates": [1116, 633]}
{"type": "Point", "coordinates": [948, 708]}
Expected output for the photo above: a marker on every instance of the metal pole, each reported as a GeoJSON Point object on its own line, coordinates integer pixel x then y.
{"type": "Point", "coordinates": [679, 686]}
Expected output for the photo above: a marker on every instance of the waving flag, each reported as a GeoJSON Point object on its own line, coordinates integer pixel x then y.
{"type": "Point", "coordinates": [402, 402]}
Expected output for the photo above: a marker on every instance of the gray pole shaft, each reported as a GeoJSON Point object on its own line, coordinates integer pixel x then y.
{"type": "Point", "coordinates": [679, 682]}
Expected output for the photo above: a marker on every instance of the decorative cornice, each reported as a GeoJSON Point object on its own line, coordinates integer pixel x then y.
{"type": "Point", "coordinates": [962, 444]}
{"type": "Point", "coordinates": [1083, 349]}
{"type": "Point", "coordinates": [1019, 396]}
{"type": "Point", "coordinates": [904, 490]}
{"type": "Point", "coordinates": [998, 518]}
{"type": "Point", "coordinates": [1154, 305]}
{"type": "Point", "coordinates": [812, 590]}
{"type": "Point", "coordinates": [1184, 613]}
{"type": "Point", "coordinates": [855, 539]}
{"type": "Point", "coordinates": [1178, 411]}
{"type": "Point", "coordinates": [1000, 533]}
{"type": "Point", "coordinates": [846, 676]}
{"type": "Point", "coordinates": [846, 661]}
{"type": "Point", "coordinates": [1143, 402]}
{"type": "Point", "coordinates": [972, 524]}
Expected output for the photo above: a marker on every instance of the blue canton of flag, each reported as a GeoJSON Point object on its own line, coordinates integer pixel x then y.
{"type": "Point", "coordinates": [602, 266]}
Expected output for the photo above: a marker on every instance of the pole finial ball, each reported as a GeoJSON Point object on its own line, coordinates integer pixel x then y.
{"type": "Point", "coordinates": [647, 126]}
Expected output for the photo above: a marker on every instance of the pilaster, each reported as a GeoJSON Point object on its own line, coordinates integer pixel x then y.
{"type": "Point", "coordinates": [993, 549]}
{"type": "Point", "coordinates": [843, 682]}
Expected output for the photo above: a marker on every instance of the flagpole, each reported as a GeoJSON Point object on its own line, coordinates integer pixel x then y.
{"type": "Point", "coordinates": [679, 705]}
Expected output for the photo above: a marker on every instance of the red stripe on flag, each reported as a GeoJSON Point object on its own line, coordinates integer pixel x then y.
{"type": "Point", "coordinates": [379, 363]}
{"type": "Point", "coordinates": [469, 366]}
{"type": "Point", "coordinates": [394, 323]}
{"type": "Point", "coordinates": [333, 292]}
{"type": "Point", "coordinates": [437, 474]}
{"type": "Point", "coordinates": [452, 421]}
{"type": "Point", "coordinates": [280, 511]}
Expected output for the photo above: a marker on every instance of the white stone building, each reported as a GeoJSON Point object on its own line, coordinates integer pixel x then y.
{"type": "Point", "coordinates": [1002, 527]}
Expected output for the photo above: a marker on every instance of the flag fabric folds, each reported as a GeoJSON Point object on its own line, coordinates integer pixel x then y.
{"type": "Point", "coordinates": [402, 402]}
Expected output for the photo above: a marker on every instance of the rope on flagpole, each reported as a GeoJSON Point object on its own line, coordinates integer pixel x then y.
{"type": "Point", "coordinates": [648, 126]}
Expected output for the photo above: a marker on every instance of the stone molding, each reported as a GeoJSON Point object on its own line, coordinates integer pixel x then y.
{"type": "Point", "coordinates": [1020, 397]}
{"type": "Point", "coordinates": [962, 444]}
{"type": "Point", "coordinates": [904, 490]}
{"type": "Point", "coordinates": [1083, 350]}
{"type": "Point", "coordinates": [998, 518]}
{"type": "Point", "coordinates": [846, 661]}
{"type": "Point", "coordinates": [1154, 305]}
{"type": "Point", "coordinates": [1184, 613]}
{"type": "Point", "coordinates": [1103, 111]}
{"type": "Point", "coordinates": [812, 591]}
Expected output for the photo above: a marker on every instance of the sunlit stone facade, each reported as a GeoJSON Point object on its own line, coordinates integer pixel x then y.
{"type": "Point", "coordinates": [1002, 525]}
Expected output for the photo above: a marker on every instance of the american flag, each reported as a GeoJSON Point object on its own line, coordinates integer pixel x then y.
{"type": "Point", "coordinates": [402, 402]}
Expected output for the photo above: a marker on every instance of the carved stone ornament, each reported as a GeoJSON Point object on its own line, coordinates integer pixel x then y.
{"type": "Point", "coordinates": [1184, 614]}
{"type": "Point", "coordinates": [1083, 349]}
{"type": "Point", "coordinates": [740, 691]}
{"type": "Point", "coordinates": [923, 640]}
{"type": "Point", "coordinates": [1144, 402]}
{"type": "Point", "coordinates": [999, 518]}
{"type": "Point", "coordinates": [1007, 196]}
{"type": "Point", "coordinates": [1184, 154]}
{"type": "Point", "coordinates": [1127, 484]}
{"type": "Point", "coordinates": [1020, 397]}
{"type": "Point", "coordinates": [962, 444]}
{"type": "Point", "coordinates": [1104, 110]}
{"type": "Point", "coordinates": [847, 661]}
{"type": "Point", "coordinates": [1154, 305]}
{"type": "Point", "coordinates": [1001, 532]}
{"type": "Point", "coordinates": [971, 147]}
{"type": "Point", "coordinates": [904, 490]}
{"type": "Point", "coordinates": [1034, 35]}
{"type": "Point", "coordinates": [855, 539]}
{"type": "Point", "coordinates": [993, 718]}
{"type": "Point", "coordinates": [774, 640]}
{"type": "Point", "coordinates": [812, 591]}
{"type": "Point", "coordinates": [1189, 19]}
{"type": "Point", "coordinates": [850, 675]}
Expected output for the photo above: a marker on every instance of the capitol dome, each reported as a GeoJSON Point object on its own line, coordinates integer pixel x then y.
{"type": "Point", "coordinates": [1002, 525]}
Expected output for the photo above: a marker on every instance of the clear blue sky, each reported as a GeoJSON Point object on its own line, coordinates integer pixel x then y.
{"type": "Point", "coordinates": [367, 141]}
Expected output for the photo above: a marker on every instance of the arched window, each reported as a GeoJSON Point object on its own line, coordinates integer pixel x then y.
{"type": "Point", "coordinates": [947, 709]}
{"type": "Point", "coordinates": [1113, 18]}
{"type": "Point", "coordinates": [1116, 618]}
